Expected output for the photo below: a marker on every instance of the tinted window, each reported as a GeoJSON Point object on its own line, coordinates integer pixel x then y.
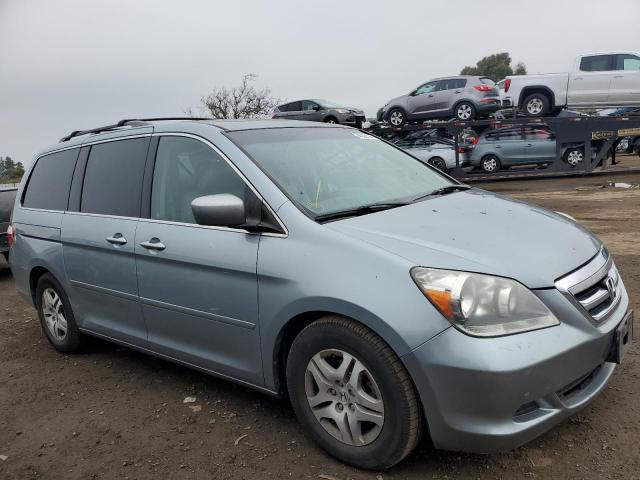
{"type": "Point", "coordinates": [597, 63]}
{"type": "Point", "coordinates": [50, 181]}
{"type": "Point", "coordinates": [7, 199]}
{"type": "Point", "coordinates": [509, 134]}
{"type": "Point", "coordinates": [294, 107]}
{"type": "Point", "coordinates": [186, 169]}
{"type": "Point", "coordinates": [113, 178]}
{"type": "Point", "coordinates": [452, 83]}
{"type": "Point", "coordinates": [283, 108]}
{"type": "Point", "coordinates": [627, 62]}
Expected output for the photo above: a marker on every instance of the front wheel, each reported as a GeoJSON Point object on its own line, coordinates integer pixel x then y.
{"type": "Point", "coordinates": [396, 117]}
{"type": "Point", "coordinates": [352, 393]}
{"type": "Point", "coordinates": [330, 120]}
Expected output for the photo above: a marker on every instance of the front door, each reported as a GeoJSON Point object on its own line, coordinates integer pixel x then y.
{"type": "Point", "coordinates": [590, 86]}
{"type": "Point", "coordinates": [422, 100]}
{"type": "Point", "coordinates": [198, 285]}
{"type": "Point", "coordinates": [625, 84]}
{"type": "Point", "coordinates": [98, 241]}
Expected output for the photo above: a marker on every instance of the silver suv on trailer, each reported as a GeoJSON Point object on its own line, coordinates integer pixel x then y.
{"type": "Point", "coordinates": [386, 299]}
{"type": "Point", "coordinates": [462, 97]}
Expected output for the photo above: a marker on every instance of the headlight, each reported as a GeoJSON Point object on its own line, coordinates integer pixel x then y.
{"type": "Point", "coordinates": [483, 305]}
{"type": "Point", "coordinates": [341, 110]}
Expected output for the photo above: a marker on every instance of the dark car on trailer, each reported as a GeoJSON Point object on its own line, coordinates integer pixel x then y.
{"type": "Point", "coordinates": [7, 199]}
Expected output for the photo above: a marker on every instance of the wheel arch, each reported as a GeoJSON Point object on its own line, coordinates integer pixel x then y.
{"type": "Point", "coordinates": [35, 274]}
{"type": "Point", "coordinates": [296, 323]}
{"type": "Point", "coordinates": [529, 90]}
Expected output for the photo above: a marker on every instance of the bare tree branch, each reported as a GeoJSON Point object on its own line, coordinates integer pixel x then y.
{"type": "Point", "coordinates": [244, 101]}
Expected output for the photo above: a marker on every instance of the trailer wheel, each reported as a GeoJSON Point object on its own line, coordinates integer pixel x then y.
{"type": "Point", "coordinates": [536, 105]}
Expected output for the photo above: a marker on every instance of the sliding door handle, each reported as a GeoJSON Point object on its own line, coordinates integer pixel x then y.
{"type": "Point", "coordinates": [153, 244]}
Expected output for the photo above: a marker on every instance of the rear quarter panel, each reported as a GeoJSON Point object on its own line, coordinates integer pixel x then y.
{"type": "Point", "coordinates": [556, 82]}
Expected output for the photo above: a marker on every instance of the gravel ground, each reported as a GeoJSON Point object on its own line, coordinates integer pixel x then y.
{"type": "Point", "coordinates": [115, 413]}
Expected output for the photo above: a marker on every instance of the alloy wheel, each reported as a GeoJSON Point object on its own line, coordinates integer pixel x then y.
{"type": "Point", "coordinates": [344, 397]}
{"type": "Point", "coordinates": [535, 106]}
{"type": "Point", "coordinates": [464, 112]}
{"type": "Point", "coordinates": [396, 118]}
{"type": "Point", "coordinates": [490, 164]}
{"type": "Point", "coordinates": [53, 311]}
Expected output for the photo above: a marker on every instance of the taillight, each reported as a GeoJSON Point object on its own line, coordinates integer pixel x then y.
{"type": "Point", "coordinates": [483, 88]}
{"type": "Point", "coordinates": [507, 84]}
{"type": "Point", "coordinates": [460, 149]}
{"type": "Point", "coordinates": [10, 235]}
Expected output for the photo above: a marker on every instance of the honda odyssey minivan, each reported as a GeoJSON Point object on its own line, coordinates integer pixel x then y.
{"type": "Point", "coordinates": [386, 300]}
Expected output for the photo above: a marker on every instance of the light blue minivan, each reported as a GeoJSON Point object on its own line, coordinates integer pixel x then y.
{"type": "Point", "coordinates": [385, 299]}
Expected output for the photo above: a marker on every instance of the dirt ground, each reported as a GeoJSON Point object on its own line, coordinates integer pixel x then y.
{"type": "Point", "coordinates": [115, 413]}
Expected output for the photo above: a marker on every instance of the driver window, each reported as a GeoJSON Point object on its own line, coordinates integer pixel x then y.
{"type": "Point", "coordinates": [185, 169]}
{"type": "Point", "coordinates": [307, 105]}
{"type": "Point", "coordinates": [426, 88]}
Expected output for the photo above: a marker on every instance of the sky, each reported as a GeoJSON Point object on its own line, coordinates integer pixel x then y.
{"type": "Point", "coordinates": [76, 64]}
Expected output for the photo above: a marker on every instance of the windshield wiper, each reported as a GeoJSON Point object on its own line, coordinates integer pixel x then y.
{"type": "Point", "coordinates": [363, 210]}
{"type": "Point", "coordinates": [442, 191]}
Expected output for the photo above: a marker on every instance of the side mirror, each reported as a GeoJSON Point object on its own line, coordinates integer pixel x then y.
{"type": "Point", "coordinates": [222, 210]}
{"type": "Point", "coordinates": [316, 108]}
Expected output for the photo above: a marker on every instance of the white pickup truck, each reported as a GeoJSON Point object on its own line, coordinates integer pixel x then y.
{"type": "Point", "coordinates": [595, 80]}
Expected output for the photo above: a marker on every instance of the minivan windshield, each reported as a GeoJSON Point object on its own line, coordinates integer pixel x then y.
{"type": "Point", "coordinates": [329, 170]}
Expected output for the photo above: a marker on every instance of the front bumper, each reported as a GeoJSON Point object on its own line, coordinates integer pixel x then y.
{"type": "Point", "coordinates": [493, 394]}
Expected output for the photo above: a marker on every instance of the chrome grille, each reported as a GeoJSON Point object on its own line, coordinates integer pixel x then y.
{"type": "Point", "coordinates": [596, 287]}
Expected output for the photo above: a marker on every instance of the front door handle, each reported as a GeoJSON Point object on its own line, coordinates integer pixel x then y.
{"type": "Point", "coordinates": [153, 244]}
{"type": "Point", "coordinates": [117, 239]}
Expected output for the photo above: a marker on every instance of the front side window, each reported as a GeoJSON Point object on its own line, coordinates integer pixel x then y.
{"type": "Point", "coordinates": [113, 178]}
{"type": "Point", "coordinates": [49, 183]}
{"type": "Point", "coordinates": [309, 105]}
{"type": "Point", "coordinates": [597, 63]}
{"type": "Point", "coordinates": [426, 88]}
{"type": "Point", "coordinates": [628, 62]}
{"type": "Point", "coordinates": [329, 170]}
{"type": "Point", "coordinates": [185, 169]}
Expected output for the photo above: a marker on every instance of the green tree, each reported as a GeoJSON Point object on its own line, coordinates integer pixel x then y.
{"type": "Point", "coordinates": [496, 67]}
{"type": "Point", "coordinates": [10, 171]}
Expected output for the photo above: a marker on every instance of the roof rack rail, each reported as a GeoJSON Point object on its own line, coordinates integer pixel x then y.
{"type": "Point", "coordinates": [127, 122]}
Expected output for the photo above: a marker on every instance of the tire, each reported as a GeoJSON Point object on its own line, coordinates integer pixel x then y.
{"type": "Point", "coordinates": [438, 163]}
{"type": "Point", "coordinates": [574, 156]}
{"type": "Point", "coordinates": [490, 164]}
{"type": "Point", "coordinates": [331, 120]}
{"type": "Point", "coordinates": [397, 117]}
{"type": "Point", "coordinates": [536, 105]}
{"type": "Point", "coordinates": [388, 391]}
{"type": "Point", "coordinates": [52, 311]}
{"type": "Point", "coordinates": [464, 111]}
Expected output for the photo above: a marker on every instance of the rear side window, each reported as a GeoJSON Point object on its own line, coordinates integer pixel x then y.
{"type": "Point", "coordinates": [283, 108]}
{"type": "Point", "coordinates": [451, 83]}
{"type": "Point", "coordinates": [50, 180]}
{"type": "Point", "coordinates": [294, 107]}
{"type": "Point", "coordinates": [597, 63]}
{"type": "Point", "coordinates": [113, 178]}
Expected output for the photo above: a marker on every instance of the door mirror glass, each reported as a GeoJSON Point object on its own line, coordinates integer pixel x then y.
{"type": "Point", "coordinates": [221, 210]}
{"type": "Point", "coordinates": [316, 108]}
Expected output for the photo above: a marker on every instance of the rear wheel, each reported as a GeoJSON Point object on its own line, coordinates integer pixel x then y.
{"type": "Point", "coordinates": [536, 105]}
{"type": "Point", "coordinates": [465, 111]}
{"type": "Point", "coordinates": [330, 120]}
{"type": "Point", "coordinates": [439, 163]}
{"type": "Point", "coordinates": [490, 164]}
{"type": "Point", "coordinates": [397, 117]}
{"type": "Point", "coordinates": [352, 394]}
{"type": "Point", "coordinates": [56, 317]}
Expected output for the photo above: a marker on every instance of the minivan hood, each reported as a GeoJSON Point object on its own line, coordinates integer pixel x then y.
{"type": "Point", "coordinates": [479, 231]}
